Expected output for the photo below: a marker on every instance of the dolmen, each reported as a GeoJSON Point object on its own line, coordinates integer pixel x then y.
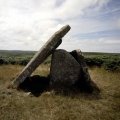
{"type": "Point", "coordinates": [69, 73]}
{"type": "Point", "coordinates": [68, 70]}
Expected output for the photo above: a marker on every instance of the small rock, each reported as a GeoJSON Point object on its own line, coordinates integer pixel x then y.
{"type": "Point", "coordinates": [28, 93]}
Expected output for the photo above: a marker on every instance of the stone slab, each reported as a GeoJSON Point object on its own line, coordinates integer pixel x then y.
{"type": "Point", "coordinates": [47, 49]}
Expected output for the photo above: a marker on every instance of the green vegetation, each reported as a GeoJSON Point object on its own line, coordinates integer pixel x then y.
{"type": "Point", "coordinates": [15, 57]}
{"type": "Point", "coordinates": [108, 61]}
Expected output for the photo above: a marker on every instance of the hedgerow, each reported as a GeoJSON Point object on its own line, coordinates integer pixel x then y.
{"type": "Point", "coordinates": [108, 61]}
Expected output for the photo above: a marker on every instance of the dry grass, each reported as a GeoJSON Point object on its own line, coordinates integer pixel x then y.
{"type": "Point", "coordinates": [17, 105]}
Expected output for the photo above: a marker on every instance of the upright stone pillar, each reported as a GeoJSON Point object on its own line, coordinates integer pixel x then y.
{"type": "Point", "coordinates": [85, 83]}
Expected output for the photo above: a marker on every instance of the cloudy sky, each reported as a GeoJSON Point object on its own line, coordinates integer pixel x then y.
{"type": "Point", "coordinates": [28, 24]}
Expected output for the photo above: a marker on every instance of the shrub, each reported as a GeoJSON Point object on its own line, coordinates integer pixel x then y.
{"type": "Point", "coordinates": [23, 62]}
{"type": "Point", "coordinates": [94, 61]}
{"type": "Point", "coordinates": [112, 65]}
{"type": "Point", "coordinates": [1, 61]}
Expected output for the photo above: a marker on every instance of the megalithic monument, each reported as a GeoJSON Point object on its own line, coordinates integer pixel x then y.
{"type": "Point", "coordinates": [47, 49]}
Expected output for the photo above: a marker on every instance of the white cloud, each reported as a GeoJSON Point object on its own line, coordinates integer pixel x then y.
{"type": "Point", "coordinates": [28, 24]}
{"type": "Point", "coordinates": [97, 45]}
{"type": "Point", "coordinates": [117, 24]}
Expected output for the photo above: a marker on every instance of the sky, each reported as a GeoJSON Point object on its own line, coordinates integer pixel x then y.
{"type": "Point", "coordinates": [28, 24]}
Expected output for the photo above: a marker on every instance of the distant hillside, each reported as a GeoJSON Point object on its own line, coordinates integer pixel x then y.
{"type": "Point", "coordinates": [16, 52]}
{"type": "Point", "coordinates": [98, 53]}
{"type": "Point", "coordinates": [110, 61]}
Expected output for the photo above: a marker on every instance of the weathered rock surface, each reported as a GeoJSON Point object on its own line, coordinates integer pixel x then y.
{"type": "Point", "coordinates": [41, 55]}
{"type": "Point", "coordinates": [65, 71]}
{"type": "Point", "coordinates": [85, 83]}
{"type": "Point", "coordinates": [69, 72]}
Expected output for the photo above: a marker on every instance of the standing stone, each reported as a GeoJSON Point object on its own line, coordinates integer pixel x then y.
{"type": "Point", "coordinates": [65, 71]}
{"type": "Point", "coordinates": [85, 83]}
{"type": "Point", "coordinates": [42, 54]}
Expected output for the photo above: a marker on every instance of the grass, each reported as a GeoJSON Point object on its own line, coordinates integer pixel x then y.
{"type": "Point", "coordinates": [18, 105]}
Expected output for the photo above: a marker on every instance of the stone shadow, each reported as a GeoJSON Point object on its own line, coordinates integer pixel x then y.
{"type": "Point", "coordinates": [38, 84]}
{"type": "Point", "coordinates": [35, 84]}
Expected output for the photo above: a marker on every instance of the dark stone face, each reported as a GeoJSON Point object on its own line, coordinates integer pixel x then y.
{"type": "Point", "coordinates": [85, 83]}
{"type": "Point", "coordinates": [65, 71]}
{"type": "Point", "coordinates": [69, 72]}
{"type": "Point", "coordinates": [74, 54]}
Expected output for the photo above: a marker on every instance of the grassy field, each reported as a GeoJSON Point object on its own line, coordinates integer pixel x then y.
{"type": "Point", "coordinates": [18, 105]}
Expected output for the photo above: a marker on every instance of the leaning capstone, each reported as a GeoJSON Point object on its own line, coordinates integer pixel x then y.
{"type": "Point", "coordinates": [65, 71]}
{"type": "Point", "coordinates": [42, 54]}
